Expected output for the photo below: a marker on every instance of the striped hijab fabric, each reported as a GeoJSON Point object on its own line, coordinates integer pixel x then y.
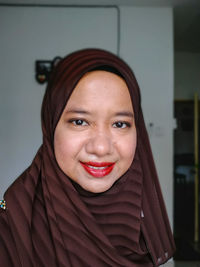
{"type": "Point", "coordinates": [51, 221]}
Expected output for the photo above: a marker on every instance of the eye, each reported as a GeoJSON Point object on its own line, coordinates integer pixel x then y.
{"type": "Point", "coordinates": [78, 122]}
{"type": "Point", "coordinates": [121, 124]}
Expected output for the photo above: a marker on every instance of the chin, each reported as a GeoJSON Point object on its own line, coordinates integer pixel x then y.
{"type": "Point", "coordinates": [98, 188]}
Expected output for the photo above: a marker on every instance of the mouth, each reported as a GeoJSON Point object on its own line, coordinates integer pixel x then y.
{"type": "Point", "coordinates": [98, 169]}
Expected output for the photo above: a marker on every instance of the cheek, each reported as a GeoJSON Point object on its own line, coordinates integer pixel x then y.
{"type": "Point", "coordinates": [66, 147]}
{"type": "Point", "coordinates": [127, 149]}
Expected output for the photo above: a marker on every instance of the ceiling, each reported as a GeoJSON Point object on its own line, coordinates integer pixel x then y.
{"type": "Point", "coordinates": [108, 2]}
{"type": "Point", "coordinates": [186, 16]}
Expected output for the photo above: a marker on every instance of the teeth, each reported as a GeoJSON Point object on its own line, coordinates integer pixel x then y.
{"type": "Point", "coordinates": [97, 168]}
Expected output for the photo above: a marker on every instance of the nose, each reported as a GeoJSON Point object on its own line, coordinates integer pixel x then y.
{"type": "Point", "coordinates": [100, 144]}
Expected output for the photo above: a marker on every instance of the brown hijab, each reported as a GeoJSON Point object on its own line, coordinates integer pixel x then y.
{"type": "Point", "coordinates": [50, 221]}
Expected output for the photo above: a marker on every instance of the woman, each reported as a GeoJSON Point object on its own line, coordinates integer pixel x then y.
{"type": "Point", "coordinates": [91, 196]}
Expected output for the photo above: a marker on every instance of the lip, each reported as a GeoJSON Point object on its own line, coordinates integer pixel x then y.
{"type": "Point", "coordinates": [98, 169]}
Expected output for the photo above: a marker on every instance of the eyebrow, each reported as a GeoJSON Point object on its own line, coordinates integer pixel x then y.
{"type": "Point", "coordinates": [120, 113]}
{"type": "Point", "coordinates": [80, 111]}
{"type": "Point", "coordinates": [125, 113]}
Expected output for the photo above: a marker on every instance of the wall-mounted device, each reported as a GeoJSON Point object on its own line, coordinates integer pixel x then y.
{"type": "Point", "coordinates": [44, 68]}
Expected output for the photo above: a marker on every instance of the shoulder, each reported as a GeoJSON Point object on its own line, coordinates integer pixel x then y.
{"type": "Point", "coordinates": [4, 226]}
{"type": "Point", "coordinates": [3, 215]}
{"type": "Point", "coordinates": [8, 256]}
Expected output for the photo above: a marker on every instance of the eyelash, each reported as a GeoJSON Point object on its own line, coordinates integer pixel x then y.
{"type": "Point", "coordinates": [127, 124]}
{"type": "Point", "coordinates": [76, 122]}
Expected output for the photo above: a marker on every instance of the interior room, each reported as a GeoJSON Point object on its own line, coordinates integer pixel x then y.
{"type": "Point", "coordinates": [159, 39]}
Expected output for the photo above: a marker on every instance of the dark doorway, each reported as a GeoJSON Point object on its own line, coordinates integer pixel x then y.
{"type": "Point", "coordinates": [184, 185]}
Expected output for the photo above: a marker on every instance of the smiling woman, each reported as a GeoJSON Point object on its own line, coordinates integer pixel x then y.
{"type": "Point", "coordinates": [91, 196]}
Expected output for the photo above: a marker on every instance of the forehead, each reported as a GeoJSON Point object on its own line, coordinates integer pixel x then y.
{"type": "Point", "coordinates": [100, 88]}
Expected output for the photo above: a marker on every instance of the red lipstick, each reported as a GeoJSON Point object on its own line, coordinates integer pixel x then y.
{"type": "Point", "coordinates": [98, 169]}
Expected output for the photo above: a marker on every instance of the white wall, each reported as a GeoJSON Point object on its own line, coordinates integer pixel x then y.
{"type": "Point", "coordinates": [147, 45]}
{"type": "Point", "coordinates": [187, 75]}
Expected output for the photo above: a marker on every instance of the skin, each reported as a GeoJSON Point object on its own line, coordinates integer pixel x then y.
{"type": "Point", "coordinates": [97, 125]}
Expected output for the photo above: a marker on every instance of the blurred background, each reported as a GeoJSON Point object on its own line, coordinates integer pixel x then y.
{"type": "Point", "coordinates": [159, 39]}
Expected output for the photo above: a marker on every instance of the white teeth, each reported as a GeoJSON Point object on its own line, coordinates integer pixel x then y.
{"type": "Point", "coordinates": [97, 168]}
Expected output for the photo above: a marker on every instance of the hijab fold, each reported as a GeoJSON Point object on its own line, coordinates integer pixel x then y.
{"type": "Point", "coordinates": [52, 221]}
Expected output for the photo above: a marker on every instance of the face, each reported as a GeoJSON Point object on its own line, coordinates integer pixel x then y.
{"type": "Point", "coordinates": [95, 138]}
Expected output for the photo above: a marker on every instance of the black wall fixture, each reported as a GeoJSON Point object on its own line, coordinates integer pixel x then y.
{"type": "Point", "coordinates": [44, 68]}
